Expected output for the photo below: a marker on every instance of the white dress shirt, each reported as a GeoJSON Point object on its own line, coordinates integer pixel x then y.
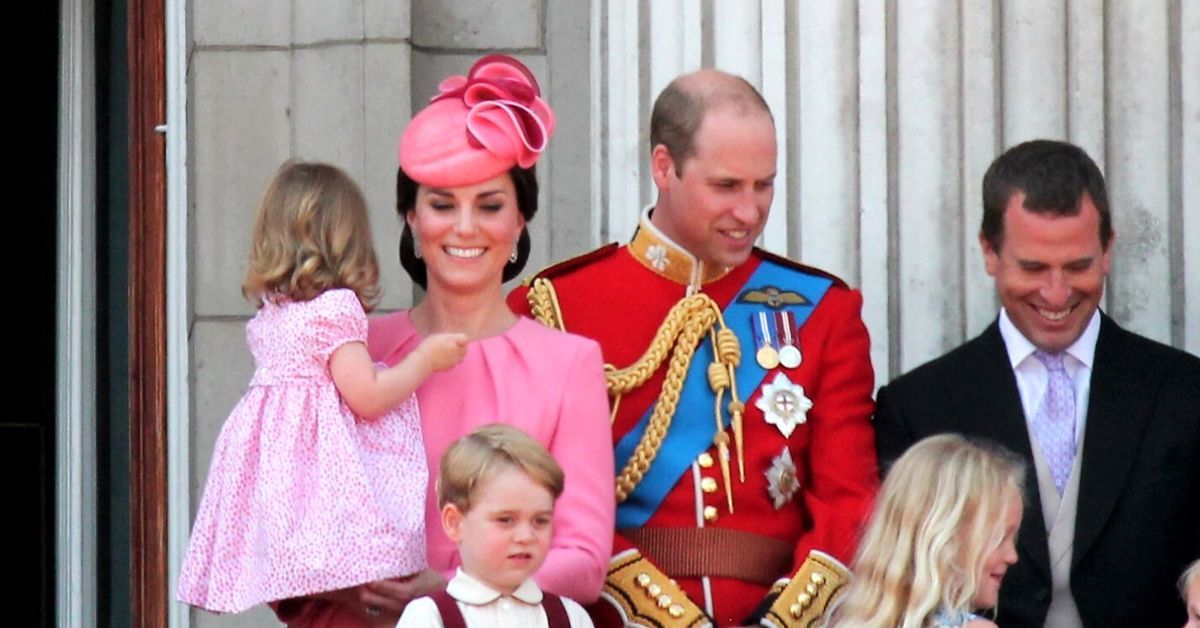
{"type": "Point", "coordinates": [484, 607]}
{"type": "Point", "coordinates": [1033, 377]}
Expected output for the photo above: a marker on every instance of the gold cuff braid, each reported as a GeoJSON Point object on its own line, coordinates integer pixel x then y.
{"type": "Point", "coordinates": [805, 599]}
{"type": "Point", "coordinates": [647, 597]}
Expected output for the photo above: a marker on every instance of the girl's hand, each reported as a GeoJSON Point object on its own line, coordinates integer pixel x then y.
{"type": "Point", "coordinates": [443, 351]}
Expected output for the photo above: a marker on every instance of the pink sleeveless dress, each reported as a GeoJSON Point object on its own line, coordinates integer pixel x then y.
{"type": "Point", "coordinates": [303, 496]}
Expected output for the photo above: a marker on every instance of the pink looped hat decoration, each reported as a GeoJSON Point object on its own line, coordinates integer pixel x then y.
{"type": "Point", "coordinates": [478, 126]}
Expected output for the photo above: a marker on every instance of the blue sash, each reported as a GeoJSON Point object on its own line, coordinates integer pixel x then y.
{"type": "Point", "coordinates": [693, 426]}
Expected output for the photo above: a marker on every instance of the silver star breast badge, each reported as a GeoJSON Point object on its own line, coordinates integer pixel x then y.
{"type": "Point", "coordinates": [783, 404]}
{"type": "Point", "coordinates": [782, 482]}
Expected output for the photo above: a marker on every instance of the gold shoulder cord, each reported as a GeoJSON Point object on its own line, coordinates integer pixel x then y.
{"type": "Point", "coordinates": [543, 304]}
{"type": "Point", "coordinates": [681, 331]}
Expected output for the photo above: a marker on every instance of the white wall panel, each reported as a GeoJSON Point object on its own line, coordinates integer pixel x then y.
{"type": "Point", "coordinates": [776, 85]}
{"type": "Point", "coordinates": [1085, 76]}
{"type": "Point", "coordinates": [827, 146]}
{"type": "Point", "coordinates": [1138, 172]}
{"type": "Point", "coordinates": [874, 192]}
{"type": "Point", "coordinates": [981, 142]}
{"type": "Point", "coordinates": [736, 38]}
{"type": "Point", "coordinates": [1188, 171]}
{"type": "Point", "coordinates": [622, 139]}
{"type": "Point", "coordinates": [928, 145]}
{"type": "Point", "coordinates": [1034, 74]}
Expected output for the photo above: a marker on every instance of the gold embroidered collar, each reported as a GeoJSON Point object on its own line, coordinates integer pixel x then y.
{"type": "Point", "coordinates": [654, 250]}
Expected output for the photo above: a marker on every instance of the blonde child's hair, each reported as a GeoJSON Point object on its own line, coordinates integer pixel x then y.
{"type": "Point", "coordinates": [1190, 575]}
{"type": "Point", "coordinates": [940, 511]}
{"type": "Point", "coordinates": [487, 451]}
{"type": "Point", "coordinates": [311, 234]}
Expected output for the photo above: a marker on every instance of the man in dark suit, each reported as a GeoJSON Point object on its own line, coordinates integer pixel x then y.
{"type": "Point", "coordinates": [1108, 420]}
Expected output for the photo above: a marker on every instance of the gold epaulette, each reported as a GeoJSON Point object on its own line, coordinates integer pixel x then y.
{"type": "Point", "coordinates": [645, 596]}
{"type": "Point", "coordinates": [803, 601]}
{"type": "Point", "coordinates": [543, 301]}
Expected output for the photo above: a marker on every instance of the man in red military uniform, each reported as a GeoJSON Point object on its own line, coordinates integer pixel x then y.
{"type": "Point", "coordinates": [740, 382]}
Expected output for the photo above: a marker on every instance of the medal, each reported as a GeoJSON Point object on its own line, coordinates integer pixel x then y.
{"type": "Point", "coordinates": [789, 353]}
{"type": "Point", "coordinates": [766, 356]}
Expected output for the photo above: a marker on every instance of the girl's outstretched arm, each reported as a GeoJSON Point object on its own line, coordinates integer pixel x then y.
{"type": "Point", "coordinates": [370, 392]}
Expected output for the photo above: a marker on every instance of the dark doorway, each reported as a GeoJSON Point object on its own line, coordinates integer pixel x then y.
{"type": "Point", "coordinates": [27, 431]}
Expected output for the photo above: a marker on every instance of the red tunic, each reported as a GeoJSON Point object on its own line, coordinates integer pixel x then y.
{"type": "Point", "coordinates": [619, 300]}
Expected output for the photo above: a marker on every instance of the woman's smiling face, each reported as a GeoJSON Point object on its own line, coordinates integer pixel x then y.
{"type": "Point", "coordinates": [466, 233]}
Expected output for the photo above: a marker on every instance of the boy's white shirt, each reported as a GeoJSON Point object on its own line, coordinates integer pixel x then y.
{"type": "Point", "coordinates": [483, 606]}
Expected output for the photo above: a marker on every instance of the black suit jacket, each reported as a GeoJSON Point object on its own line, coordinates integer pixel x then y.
{"type": "Point", "coordinates": [1138, 516]}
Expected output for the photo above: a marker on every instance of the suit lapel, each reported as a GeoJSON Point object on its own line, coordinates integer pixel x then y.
{"type": "Point", "coordinates": [986, 392]}
{"type": "Point", "coordinates": [1122, 392]}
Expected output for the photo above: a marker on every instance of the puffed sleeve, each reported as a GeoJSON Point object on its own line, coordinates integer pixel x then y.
{"type": "Point", "coordinates": [585, 514]}
{"type": "Point", "coordinates": [335, 318]}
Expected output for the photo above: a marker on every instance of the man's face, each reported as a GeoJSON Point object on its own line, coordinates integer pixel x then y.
{"type": "Point", "coordinates": [717, 208]}
{"type": "Point", "coordinates": [1049, 271]}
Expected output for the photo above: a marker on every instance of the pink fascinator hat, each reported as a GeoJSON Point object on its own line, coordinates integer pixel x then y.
{"type": "Point", "coordinates": [478, 126]}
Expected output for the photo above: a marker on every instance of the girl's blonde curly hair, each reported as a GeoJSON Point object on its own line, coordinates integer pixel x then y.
{"type": "Point", "coordinates": [311, 234]}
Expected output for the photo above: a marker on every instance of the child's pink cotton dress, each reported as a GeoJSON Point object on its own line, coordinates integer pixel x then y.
{"type": "Point", "coordinates": [302, 496]}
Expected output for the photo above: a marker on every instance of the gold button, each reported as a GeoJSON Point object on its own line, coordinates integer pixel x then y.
{"type": "Point", "coordinates": [708, 485]}
{"type": "Point", "coordinates": [804, 599]}
{"type": "Point", "coordinates": [653, 590]}
{"type": "Point", "coordinates": [664, 601]}
{"type": "Point", "coordinates": [675, 611]}
{"type": "Point", "coordinates": [643, 579]}
{"type": "Point", "coordinates": [795, 610]}
{"type": "Point", "coordinates": [705, 460]}
{"type": "Point", "coordinates": [710, 513]}
{"type": "Point", "coordinates": [818, 579]}
{"type": "Point", "coordinates": [811, 588]}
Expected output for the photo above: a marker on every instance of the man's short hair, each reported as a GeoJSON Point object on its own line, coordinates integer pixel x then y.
{"type": "Point", "coordinates": [680, 108]}
{"type": "Point", "coordinates": [486, 452]}
{"type": "Point", "coordinates": [1053, 175]}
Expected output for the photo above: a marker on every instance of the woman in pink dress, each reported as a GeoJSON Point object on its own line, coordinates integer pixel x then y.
{"type": "Point", "coordinates": [466, 188]}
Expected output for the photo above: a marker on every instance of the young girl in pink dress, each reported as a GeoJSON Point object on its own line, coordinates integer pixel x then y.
{"type": "Point", "coordinates": [318, 477]}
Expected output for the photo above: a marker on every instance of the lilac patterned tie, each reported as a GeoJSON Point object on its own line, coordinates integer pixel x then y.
{"type": "Point", "coordinates": [1054, 423]}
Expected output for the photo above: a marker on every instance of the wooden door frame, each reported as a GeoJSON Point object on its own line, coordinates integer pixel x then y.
{"type": "Point", "coordinates": [149, 586]}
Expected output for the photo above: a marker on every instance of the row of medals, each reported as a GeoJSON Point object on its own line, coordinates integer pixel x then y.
{"type": "Point", "coordinates": [775, 336]}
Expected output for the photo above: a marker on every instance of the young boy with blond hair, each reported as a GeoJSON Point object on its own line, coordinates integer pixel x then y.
{"type": "Point", "coordinates": [496, 489]}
